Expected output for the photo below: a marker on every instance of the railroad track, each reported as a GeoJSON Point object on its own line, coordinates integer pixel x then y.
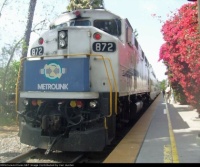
{"type": "Point", "coordinates": [23, 157]}
{"type": "Point", "coordinates": [39, 156]}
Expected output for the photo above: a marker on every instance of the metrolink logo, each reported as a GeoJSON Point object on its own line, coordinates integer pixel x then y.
{"type": "Point", "coordinates": [52, 71]}
{"type": "Point", "coordinates": [52, 86]}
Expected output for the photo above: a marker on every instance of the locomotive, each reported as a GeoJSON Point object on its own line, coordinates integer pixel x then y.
{"type": "Point", "coordinates": [81, 80]}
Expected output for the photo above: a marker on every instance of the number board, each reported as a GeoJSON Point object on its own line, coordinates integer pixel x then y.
{"type": "Point", "coordinates": [104, 46]}
{"type": "Point", "coordinates": [37, 51]}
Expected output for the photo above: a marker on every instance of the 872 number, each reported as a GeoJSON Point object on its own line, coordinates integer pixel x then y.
{"type": "Point", "coordinates": [104, 46]}
{"type": "Point", "coordinates": [37, 51]}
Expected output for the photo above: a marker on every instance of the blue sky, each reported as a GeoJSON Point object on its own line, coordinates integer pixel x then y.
{"type": "Point", "coordinates": [138, 12]}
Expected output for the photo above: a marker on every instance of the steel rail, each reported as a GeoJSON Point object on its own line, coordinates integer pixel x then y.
{"type": "Point", "coordinates": [23, 157]}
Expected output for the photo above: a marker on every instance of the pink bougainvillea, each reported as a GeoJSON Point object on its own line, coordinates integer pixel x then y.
{"type": "Point", "coordinates": [181, 51]}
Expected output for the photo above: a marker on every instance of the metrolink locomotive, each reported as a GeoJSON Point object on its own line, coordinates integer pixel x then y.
{"type": "Point", "coordinates": [82, 79]}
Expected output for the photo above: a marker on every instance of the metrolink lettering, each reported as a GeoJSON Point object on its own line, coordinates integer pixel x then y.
{"type": "Point", "coordinates": [52, 86]}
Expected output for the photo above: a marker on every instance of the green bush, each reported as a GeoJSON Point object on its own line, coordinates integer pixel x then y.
{"type": "Point", "coordinates": [180, 97]}
{"type": "Point", "coordinates": [7, 119]}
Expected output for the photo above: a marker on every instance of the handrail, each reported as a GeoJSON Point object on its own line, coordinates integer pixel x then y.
{"type": "Point", "coordinates": [115, 84]}
{"type": "Point", "coordinates": [80, 54]}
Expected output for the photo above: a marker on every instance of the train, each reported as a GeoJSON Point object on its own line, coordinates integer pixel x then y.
{"type": "Point", "coordinates": [82, 79]}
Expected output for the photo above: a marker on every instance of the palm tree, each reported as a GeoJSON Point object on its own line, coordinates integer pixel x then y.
{"type": "Point", "coordinates": [27, 34]}
{"type": "Point", "coordinates": [82, 4]}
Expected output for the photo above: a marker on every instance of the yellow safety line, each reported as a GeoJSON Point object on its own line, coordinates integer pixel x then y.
{"type": "Point", "coordinates": [175, 157]}
{"type": "Point", "coordinates": [167, 154]}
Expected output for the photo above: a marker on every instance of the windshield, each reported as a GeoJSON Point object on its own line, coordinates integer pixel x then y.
{"type": "Point", "coordinates": [72, 23]}
{"type": "Point", "coordinates": [112, 26]}
{"type": "Point", "coordinates": [80, 23]}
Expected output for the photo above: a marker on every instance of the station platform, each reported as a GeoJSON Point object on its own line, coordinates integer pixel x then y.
{"type": "Point", "coordinates": [166, 133]}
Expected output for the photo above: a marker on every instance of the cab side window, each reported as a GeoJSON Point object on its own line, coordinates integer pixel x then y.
{"type": "Point", "coordinates": [112, 27]}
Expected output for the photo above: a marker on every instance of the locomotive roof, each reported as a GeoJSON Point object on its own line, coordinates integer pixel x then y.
{"type": "Point", "coordinates": [85, 13]}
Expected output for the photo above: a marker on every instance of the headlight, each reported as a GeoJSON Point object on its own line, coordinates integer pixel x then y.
{"type": "Point", "coordinates": [25, 102]}
{"type": "Point", "coordinates": [93, 104]}
{"type": "Point", "coordinates": [62, 43]}
{"type": "Point", "coordinates": [62, 34]}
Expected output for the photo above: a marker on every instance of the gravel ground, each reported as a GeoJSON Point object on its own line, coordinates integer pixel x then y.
{"type": "Point", "coordinates": [10, 145]}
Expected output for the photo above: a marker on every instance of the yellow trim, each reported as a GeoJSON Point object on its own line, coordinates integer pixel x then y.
{"type": "Point", "coordinates": [115, 85]}
{"type": "Point", "coordinates": [105, 123]}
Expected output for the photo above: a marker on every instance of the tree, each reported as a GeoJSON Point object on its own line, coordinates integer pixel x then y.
{"type": "Point", "coordinates": [163, 85]}
{"type": "Point", "coordinates": [181, 51]}
{"type": "Point", "coordinates": [4, 4]}
{"type": "Point", "coordinates": [12, 73]}
{"type": "Point", "coordinates": [28, 27]}
{"type": "Point", "coordinates": [10, 52]}
{"type": "Point", "coordinates": [81, 4]}
{"type": "Point", "coordinates": [9, 73]}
